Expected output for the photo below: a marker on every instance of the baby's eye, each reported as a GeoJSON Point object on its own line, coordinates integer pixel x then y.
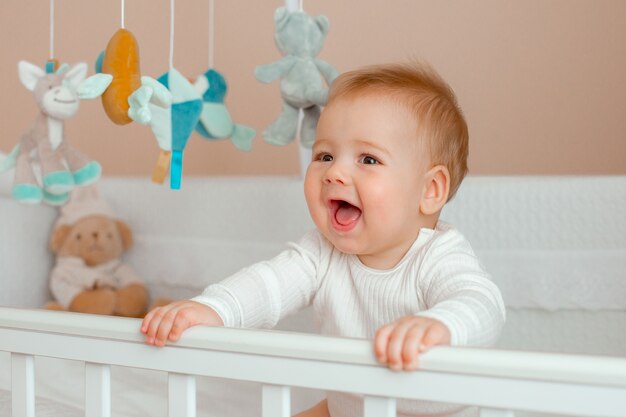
{"type": "Point", "coordinates": [369, 160]}
{"type": "Point", "coordinates": [324, 157]}
{"type": "Point", "coordinates": [78, 236]}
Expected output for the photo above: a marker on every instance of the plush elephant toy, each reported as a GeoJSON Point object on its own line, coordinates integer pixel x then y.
{"type": "Point", "coordinates": [300, 38]}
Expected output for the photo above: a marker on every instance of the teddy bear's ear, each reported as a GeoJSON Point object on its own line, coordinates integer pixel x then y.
{"type": "Point", "coordinates": [125, 232]}
{"type": "Point", "coordinates": [280, 17]}
{"type": "Point", "coordinates": [323, 23]}
{"type": "Point", "coordinates": [58, 237]}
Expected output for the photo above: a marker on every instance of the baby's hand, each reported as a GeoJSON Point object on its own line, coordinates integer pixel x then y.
{"type": "Point", "coordinates": [399, 344]}
{"type": "Point", "coordinates": [170, 321]}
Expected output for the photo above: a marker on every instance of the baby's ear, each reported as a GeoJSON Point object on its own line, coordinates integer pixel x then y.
{"type": "Point", "coordinates": [436, 190]}
{"type": "Point", "coordinates": [58, 237]}
{"type": "Point", "coordinates": [125, 233]}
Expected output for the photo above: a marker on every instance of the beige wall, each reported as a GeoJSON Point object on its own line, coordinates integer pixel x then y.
{"type": "Point", "coordinates": [542, 82]}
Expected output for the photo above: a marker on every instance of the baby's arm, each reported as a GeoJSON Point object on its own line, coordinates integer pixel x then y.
{"type": "Point", "coordinates": [463, 306]}
{"type": "Point", "coordinates": [255, 297]}
{"type": "Point", "coordinates": [170, 321]}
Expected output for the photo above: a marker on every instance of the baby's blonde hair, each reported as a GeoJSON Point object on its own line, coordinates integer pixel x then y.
{"type": "Point", "coordinates": [428, 97]}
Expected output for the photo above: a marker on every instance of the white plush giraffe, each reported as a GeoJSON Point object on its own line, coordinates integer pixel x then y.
{"type": "Point", "coordinates": [43, 151]}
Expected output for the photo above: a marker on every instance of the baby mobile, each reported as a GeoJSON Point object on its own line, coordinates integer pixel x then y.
{"type": "Point", "coordinates": [170, 105]}
{"type": "Point", "coordinates": [47, 167]}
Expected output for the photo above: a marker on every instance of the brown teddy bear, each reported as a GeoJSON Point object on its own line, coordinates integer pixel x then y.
{"type": "Point", "coordinates": [89, 275]}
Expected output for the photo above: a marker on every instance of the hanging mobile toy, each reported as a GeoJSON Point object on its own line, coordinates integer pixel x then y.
{"type": "Point", "coordinates": [300, 38]}
{"type": "Point", "coordinates": [172, 126]}
{"type": "Point", "coordinates": [47, 167]}
{"type": "Point", "coordinates": [125, 93]}
{"type": "Point", "coordinates": [215, 121]}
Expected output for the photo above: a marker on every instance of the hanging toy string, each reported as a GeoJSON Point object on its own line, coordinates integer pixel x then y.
{"type": "Point", "coordinates": [122, 17]}
{"type": "Point", "coordinates": [171, 34]}
{"type": "Point", "coordinates": [176, 163]}
{"type": "Point", "coordinates": [51, 65]}
{"type": "Point", "coordinates": [211, 32]}
{"type": "Point", "coordinates": [51, 29]}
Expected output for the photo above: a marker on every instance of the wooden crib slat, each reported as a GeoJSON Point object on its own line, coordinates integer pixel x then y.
{"type": "Point", "coordinates": [276, 401]}
{"type": "Point", "coordinates": [97, 390]}
{"type": "Point", "coordinates": [495, 412]}
{"type": "Point", "coordinates": [181, 395]}
{"type": "Point", "coordinates": [22, 385]}
{"type": "Point", "coordinates": [379, 406]}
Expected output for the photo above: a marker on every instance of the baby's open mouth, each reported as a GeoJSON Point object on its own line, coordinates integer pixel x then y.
{"type": "Point", "coordinates": [345, 213]}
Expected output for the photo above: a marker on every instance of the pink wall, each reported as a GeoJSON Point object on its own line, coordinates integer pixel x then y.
{"type": "Point", "coordinates": [542, 82]}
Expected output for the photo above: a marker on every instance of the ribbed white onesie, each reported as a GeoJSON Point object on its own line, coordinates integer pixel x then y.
{"type": "Point", "coordinates": [439, 277]}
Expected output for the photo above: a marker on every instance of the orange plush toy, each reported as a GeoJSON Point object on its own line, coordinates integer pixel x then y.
{"type": "Point", "coordinates": [89, 275]}
{"type": "Point", "coordinates": [125, 92]}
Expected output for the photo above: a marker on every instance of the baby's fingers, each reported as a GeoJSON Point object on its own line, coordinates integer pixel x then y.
{"type": "Point", "coordinates": [166, 325]}
{"type": "Point", "coordinates": [145, 324]}
{"type": "Point", "coordinates": [156, 322]}
{"type": "Point", "coordinates": [381, 341]}
{"type": "Point", "coordinates": [185, 318]}
{"type": "Point", "coordinates": [410, 349]}
{"type": "Point", "coordinates": [395, 347]}
{"type": "Point", "coordinates": [436, 334]}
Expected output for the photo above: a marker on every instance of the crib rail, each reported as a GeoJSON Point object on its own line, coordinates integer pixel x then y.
{"type": "Point", "coordinates": [497, 381]}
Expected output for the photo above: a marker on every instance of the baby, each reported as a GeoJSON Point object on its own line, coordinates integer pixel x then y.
{"type": "Point", "coordinates": [391, 150]}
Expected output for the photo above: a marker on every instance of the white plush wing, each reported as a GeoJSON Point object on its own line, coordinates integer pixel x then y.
{"type": "Point", "coordinates": [161, 96]}
{"type": "Point", "coordinates": [94, 86]}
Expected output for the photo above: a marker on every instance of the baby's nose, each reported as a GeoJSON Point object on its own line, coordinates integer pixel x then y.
{"type": "Point", "coordinates": [338, 180]}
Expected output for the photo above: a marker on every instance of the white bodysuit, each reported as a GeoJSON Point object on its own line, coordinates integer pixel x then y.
{"type": "Point", "coordinates": [439, 277]}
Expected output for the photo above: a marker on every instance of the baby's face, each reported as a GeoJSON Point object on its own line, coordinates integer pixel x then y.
{"type": "Point", "coordinates": [366, 179]}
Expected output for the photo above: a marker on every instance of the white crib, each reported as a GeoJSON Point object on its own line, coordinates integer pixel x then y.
{"type": "Point", "coordinates": [555, 245]}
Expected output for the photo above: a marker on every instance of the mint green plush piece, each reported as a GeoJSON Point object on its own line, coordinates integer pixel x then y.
{"type": "Point", "coordinates": [59, 182]}
{"type": "Point", "coordinates": [55, 199]}
{"type": "Point", "coordinates": [215, 122]}
{"type": "Point", "coordinates": [9, 162]}
{"type": "Point", "coordinates": [242, 137]}
{"type": "Point", "coordinates": [27, 193]}
{"type": "Point", "coordinates": [88, 174]}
